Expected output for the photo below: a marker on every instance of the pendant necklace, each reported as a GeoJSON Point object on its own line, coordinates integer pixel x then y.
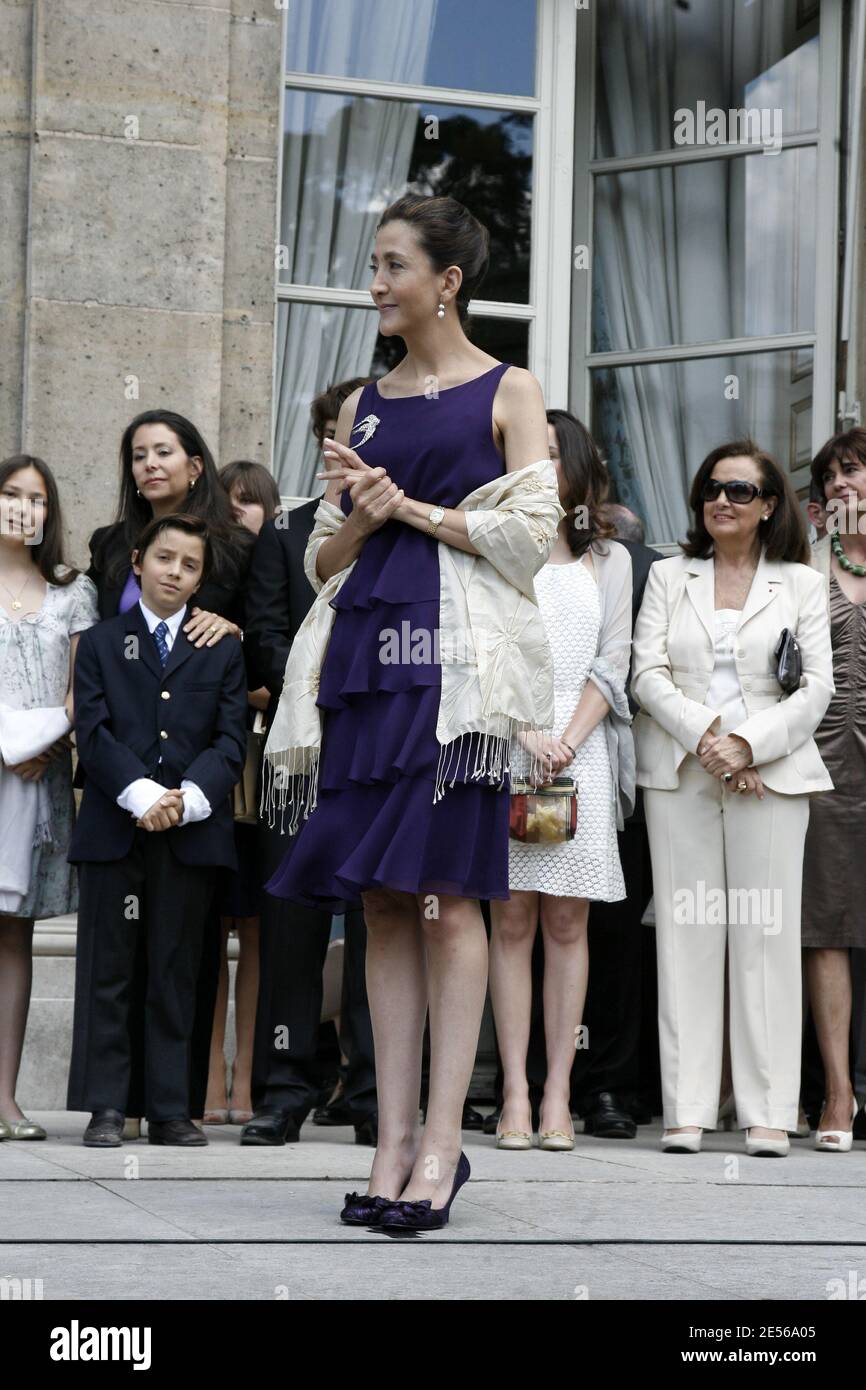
{"type": "Point", "coordinates": [16, 598]}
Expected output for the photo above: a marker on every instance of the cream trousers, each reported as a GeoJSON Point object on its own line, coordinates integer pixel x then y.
{"type": "Point", "coordinates": [727, 869]}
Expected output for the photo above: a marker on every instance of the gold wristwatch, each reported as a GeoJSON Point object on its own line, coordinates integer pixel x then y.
{"type": "Point", "coordinates": [437, 515]}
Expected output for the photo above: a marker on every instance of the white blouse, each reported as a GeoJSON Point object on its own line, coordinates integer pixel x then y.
{"type": "Point", "coordinates": [725, 694]}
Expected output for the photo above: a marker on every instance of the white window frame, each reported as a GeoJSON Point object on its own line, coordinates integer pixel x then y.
{"type": "Point", "coordinates": [823, 341]}
{"type": "Point", "coordinates": [547, 312]}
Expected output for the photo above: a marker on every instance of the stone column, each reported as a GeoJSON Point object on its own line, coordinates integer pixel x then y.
{"type": "Point", "coordinates": [150, 224]}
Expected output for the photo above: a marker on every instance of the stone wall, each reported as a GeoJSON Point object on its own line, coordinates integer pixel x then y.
{"type": "Point", "coordinates": [138, 161]}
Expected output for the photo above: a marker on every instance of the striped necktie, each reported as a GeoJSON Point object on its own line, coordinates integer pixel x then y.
{"type": "Point", "coordinates": [159, 635]}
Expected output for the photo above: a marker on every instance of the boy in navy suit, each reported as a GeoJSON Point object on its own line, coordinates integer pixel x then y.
{"type": "Point", "coordinates": [161, 733]}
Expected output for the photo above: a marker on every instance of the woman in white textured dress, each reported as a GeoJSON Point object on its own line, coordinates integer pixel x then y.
{"type": "Point", "coordinates": [43, 607]}
{"type": "Point", "coordinates": [585, 595]}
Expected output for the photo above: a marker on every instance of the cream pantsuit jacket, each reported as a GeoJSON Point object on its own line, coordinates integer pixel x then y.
{"type": "Point", "coordinates": [672, 663]}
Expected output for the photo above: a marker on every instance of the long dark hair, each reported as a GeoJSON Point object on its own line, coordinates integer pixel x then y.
{"type": "Point", "coordinates": [783, 534]}
{"type": "Point", "coordinates": [586, 477]}
{"type": "Point", "coordinates": [48, 554]}
{"type": "Point", "coordinates": [208, 500]}
{"type": "Point", "coordinates": [448, 234]}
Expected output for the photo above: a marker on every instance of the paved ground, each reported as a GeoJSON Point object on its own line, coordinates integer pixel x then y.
{"type": "Point", "coordinates": [609, 1220]}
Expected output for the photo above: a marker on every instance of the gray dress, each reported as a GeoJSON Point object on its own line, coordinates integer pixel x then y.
{"type": "Point", "coordinates": [834, 866]}
{"type": "Point", "coordinates": [34, 674]}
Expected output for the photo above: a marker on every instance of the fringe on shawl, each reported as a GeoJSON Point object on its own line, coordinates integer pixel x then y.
{"type": "Point", "coordinates": [290, 779]}
{"type": "Point", "coordinates": [290, 786]}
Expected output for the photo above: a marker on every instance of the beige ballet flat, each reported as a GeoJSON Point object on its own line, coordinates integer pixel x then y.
{"type": "Point", "coordinates": [131, 1128]}
{"type": "Point", "coordinates": [513, 1139]}
{"type": "Point", "coordinates": [4, 1130]}
{"type": "Point", "coordinates": [555, 1139]}
{"type": "Point", "coordinates": [24, 1129]}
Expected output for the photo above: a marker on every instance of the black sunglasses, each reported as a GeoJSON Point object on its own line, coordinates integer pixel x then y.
{"type": "Point", "coordinates": [737, 490]}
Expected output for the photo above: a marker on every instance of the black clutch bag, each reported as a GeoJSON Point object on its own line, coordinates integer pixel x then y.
{"type": "Point", "coordinates": [789, 664]}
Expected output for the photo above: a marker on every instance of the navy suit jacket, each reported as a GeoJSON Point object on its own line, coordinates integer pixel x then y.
{"type": "Point", "coordinates": [129, 712]}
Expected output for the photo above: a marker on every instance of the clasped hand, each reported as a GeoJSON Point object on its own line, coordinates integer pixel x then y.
{"type": "Point", "coordinates": [374, 497]}
{"type": "Point", "coordinates": [553, 754]}
{"type": "Point", "coordinates": [165, 813]}
{"type": "Point", "coordinates": [34, 769]}
{"type": "Point", "coordinates": [723, 753]}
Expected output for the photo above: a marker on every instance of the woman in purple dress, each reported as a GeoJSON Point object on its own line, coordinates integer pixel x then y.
{"type": "Point", "coordinates": [447, 420]}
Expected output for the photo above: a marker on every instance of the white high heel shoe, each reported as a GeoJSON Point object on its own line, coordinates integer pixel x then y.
{"type": "Point", "coordinates": [767, 1148]}
{"type": "Point", "coordinates": [682, 1143]}
{"type": "Point", "coordinates": [837, 1140]}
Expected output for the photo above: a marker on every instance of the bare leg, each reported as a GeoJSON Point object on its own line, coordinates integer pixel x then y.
{"type": "Point", "coordinates": [16, 979]}
{"type": "Point", "coordinates": [332, 983]}
{"type": "Point", "coordinates": [514, 924]}
{"type": "Point", "coordinates": [566, 973]}
{"type": "Point", "coordinates": [828, 972]}
{"type": "Point", "coordinates": [217, 1080]}
{"type": "Point", "coordinates": [397, 991]}
{"type": "Point", "coordinates": [246, 999]}
{"type": "Point", "coordinates": [456, 950]}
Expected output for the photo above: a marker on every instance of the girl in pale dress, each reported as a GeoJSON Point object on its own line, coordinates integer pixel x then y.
{"type": "Point", "coordinates": [585, 595]}
{"type": "Point", "coordinates": [44, 605]}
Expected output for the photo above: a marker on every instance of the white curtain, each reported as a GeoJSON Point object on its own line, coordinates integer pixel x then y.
{"type": "Point", "coordinates": [670, 246]}
{"type": "Point", "coordinates": [344, 160]}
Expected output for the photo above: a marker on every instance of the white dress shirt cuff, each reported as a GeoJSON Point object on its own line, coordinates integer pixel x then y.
{"type": "Point", "coordinates": [139, 796]}
{"type": "Point", "coordinates": [195, 804]}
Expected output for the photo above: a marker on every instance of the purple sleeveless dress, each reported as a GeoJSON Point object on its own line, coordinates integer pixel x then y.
{"type": "Point", "coordinates": [375, 824]}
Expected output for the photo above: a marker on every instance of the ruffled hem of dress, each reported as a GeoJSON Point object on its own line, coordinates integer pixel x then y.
{"type": "Point", "coordinates": [452, 852]}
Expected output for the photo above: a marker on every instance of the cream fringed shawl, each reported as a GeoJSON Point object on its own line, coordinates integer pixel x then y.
{"type": "Point", "coordinates": [497, 670]}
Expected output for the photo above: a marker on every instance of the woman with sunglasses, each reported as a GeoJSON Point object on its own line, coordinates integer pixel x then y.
{"type": "Point", "coordinates": [729, 763]}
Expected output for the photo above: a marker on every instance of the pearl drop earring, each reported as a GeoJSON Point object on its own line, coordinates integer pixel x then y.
{"type": "Point", "coordinates": [440, 312]}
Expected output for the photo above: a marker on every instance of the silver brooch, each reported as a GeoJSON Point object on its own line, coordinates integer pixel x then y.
{"type": "Point", "coordinates": [368, 425]}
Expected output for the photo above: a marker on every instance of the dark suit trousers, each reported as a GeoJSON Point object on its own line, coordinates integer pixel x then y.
{"type": "Point", "coordinates": [611, 1061]}
{"type": "Point", "coordinates": [152, 903]}
{"type": "Point", "coordinates": [293, 944]}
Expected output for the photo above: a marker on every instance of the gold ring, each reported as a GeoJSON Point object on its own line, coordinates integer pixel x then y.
{"type": "Point", "coordinates": [741, 786]}
{"type": "Point", "coordinates": [212, 629]}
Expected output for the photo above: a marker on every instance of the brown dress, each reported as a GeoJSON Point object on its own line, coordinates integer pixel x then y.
{"type": "Point", "coordinates": [834, 860]}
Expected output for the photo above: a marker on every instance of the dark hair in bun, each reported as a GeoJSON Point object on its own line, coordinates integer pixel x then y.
{"type": "Point", "coordinates": [448, 234]}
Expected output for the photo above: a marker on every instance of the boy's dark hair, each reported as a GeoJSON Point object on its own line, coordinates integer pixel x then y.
{"type": "Point", "coordinates": [177, 521]}
{"type": "Point", "coordinates": [326, 406]}
{"type": "Point", "coordinates": [254, 483]}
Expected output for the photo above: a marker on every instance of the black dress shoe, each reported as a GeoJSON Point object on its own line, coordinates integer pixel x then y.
{"type": "Point", "coordinates": [608, 1118]}
{"type": "Point", "coordinates": [105, 1130]}
{"type": "Point", "coordinates": [182, 1132]}
{"type": "Point", "coordinates": [472, 1119]}
{"type": "Point", "coordinates": [367, 1131]}
{"type": "Point", "coordinates": [337, 1113]}
{"type": "Point", "coordinates": [490, 1123]}
{"type": "Point", "coordinates": [271, 1125]}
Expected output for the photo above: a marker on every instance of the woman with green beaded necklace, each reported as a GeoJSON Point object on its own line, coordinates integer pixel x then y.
{"type": "Point", "coordinates": [834, 872]}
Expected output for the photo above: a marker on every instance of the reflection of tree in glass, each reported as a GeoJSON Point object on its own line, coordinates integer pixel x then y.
{"type": "Point", "coordinates": [486, 164]}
